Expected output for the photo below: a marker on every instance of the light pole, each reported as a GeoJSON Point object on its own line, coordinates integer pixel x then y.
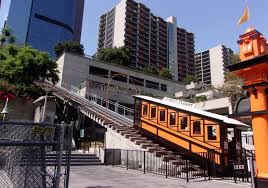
{"type": "Point", "coordinates": [5, 110]}
{"type": "Point", "coordinates": [47, 88]}
{"type": "Point", "coordinates": [109, 81]}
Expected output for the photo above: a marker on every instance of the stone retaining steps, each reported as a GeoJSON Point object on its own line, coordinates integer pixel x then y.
{"type": "Point", "coordinates": [77, 159]}
{"type": "Point", "coordinates": [177, 165]}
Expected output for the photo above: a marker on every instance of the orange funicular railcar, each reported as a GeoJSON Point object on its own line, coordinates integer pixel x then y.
{"type": "Point", "coordinates": [185, 128]}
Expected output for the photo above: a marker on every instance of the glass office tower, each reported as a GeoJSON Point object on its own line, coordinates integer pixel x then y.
{"type": "Point", "coordinates": [44, 23]}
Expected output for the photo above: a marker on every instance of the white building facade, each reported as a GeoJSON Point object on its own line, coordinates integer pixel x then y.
{"type": "Point", "coordinates": [210, 65]}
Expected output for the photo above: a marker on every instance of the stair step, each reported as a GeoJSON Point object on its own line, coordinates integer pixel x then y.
{"type": "Point", "coordinates": [190, 168]}
{"type": "Point", "coordinates": [147, 145]}
{"type": "Point", "coordinates": [64, 164]}
{"type": "Point", "coordinates": [139, 142]}
{"type": "Point", "coordinates": [136, 138]}
{"type": "Point", "coordinates": [178, 162]}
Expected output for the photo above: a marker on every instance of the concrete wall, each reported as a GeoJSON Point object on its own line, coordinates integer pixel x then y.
{"type": "Point", "coordinates": [221, 106]}
{"type": "Point", "coordinates": [113, 140]}
{"type": "Point", "coordinates": [19, 109]}
{"type": "Point", "coordinates": [74, 69]}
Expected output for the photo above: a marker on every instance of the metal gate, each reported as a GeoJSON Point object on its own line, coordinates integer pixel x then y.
{"type": "Point", "coordinates": [34, 155]}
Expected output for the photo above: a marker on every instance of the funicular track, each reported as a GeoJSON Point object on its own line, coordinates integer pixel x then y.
{"type": "Point", "coordinates": [169, 163]}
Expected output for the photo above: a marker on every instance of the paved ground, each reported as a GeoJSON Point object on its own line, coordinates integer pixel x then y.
{"type": "Point", "coordinates": [115, 177]}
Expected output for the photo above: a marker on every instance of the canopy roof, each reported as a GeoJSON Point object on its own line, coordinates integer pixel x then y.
{"type": "Point", "coordinates": [192, 110]}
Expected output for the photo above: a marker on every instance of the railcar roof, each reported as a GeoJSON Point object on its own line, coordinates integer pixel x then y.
{"type": "Point", "coordinates": [192, 110]}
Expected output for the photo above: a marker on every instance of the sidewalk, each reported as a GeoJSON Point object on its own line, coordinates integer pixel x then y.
{"type": "Point", "coordinates": [115, 177]}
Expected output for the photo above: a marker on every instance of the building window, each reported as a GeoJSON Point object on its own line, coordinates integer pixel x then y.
{"type": "Point", "coordinates": [152, 85]}
{"type": "Point", "coordinates": [136, 81]}
{"type": "Point", "coordinates": [184, 123]}
{"type": "Point", "coordinates": [118, 76]}
{"type": "Point", "coordinates": [197, 127]}
{"type": "Point", "coordinates": [145, 110]}
{"type": "Point", "coordinates": [163, 87]}
{"type": "Point", "coordinates": [172, 119]}
{"type": "Point", "coordinates": [162, 115]}
{"type": "Point", "coordinates": [153, 112]}
{"type": "Point", "coordinates": [212, 133]}
{"type": "Point", "coordinates": [98, 71]}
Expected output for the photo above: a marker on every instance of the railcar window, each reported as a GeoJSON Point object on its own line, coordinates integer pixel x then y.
{"type": "Point", "coordinates": [184, 123]}
{"type": "Point", "coordinates": [153, 112]}
{"type": "Point", "coordinates": [197, 127]}
{"type": "Point", "coordinates": [172, 119]}
{"type": "Point", "coordinates": [145, 109]}
{"type": "Point", "coordinates": [162, 115]}
{"type": "Point", "coordinates": [212, 134]}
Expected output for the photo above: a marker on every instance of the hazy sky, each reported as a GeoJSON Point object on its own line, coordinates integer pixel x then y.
{"type": "Point", "coordinates": [212, 21]}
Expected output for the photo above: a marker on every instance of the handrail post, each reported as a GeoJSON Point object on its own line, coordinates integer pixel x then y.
{"type": "Point", "coordinates": [187, 170]}
{"type": "Point", "coordinates": [69, 153]}
{"type": "Point", "coordinates": [166, 169]}
{"type": "Point", "coordinates": [105, 157]}
{"type": "Point", "coordinates": [113, 157]}
{"type": "Point", "coordinates": [99, 152]}
{"type": "Point", "coordinates": [251, 163]}
{"type": "Point", "coordinates": [127, 159]}
{"type": "Point", "coordinates": [144, 162]}
{"type": "Point", "coordinates": [234, 174]}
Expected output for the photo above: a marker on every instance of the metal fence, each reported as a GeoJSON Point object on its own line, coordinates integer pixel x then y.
{"type": "Point", "coordinates": [33, 155]}
{"type": "Point", "coordinates": [167, 165]}
{"type": "Point", "coordinates": [177, 166]}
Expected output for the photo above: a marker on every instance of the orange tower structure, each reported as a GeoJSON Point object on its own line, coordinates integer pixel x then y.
{"type": "Point", "coordinates": [253, 68]}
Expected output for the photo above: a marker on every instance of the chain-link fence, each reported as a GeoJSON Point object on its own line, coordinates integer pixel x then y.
{"type": "Point", "coordinates": [33, 155]}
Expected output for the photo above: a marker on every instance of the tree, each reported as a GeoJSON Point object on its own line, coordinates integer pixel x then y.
{"type": "Point", "coordinates": [151, 70]}
{"type": "Point", "coordinates": [232, 87]}
{"type": "Point", "coordinates": [120, 56]}
{"type": "Point", "coordinates": [189, 78]}
{"type": "Point", "coordinates": [6, 35]}
{"type": "Point", "coordinates": [69, 46]}
{"type": "Point", "coordinates": [165, 73]}
{"type": "Point", "coordinates": [235, 58]}
{"type": "Point", "coordinates": [20, 67]}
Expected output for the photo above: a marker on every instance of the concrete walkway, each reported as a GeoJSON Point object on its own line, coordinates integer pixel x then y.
{"type": "Point", "coordinates": [115, 177]}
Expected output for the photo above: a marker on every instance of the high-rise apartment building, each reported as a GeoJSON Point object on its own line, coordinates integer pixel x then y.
{"type": "Point", "coordinates": [210, 65]}
{"type": "Point", "coordinates": [152, 41]}
{"type": "Point", "coordinates": [44, 23]}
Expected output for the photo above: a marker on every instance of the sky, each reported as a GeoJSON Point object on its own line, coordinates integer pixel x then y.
{"type": "Point", "coordinates": [213, 22]}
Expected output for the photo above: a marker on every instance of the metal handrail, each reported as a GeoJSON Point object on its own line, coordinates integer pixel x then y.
{"type": "Point", "coordinates": [76, 90]}
{"type": "Point", "coordinates": [113, 103]}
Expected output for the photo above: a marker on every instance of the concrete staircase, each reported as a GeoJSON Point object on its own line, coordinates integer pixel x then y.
{"type": "Point", "coordinates": [176, 164]}
{"type": "Point", "coordinates": [124, 127]}
{"type": "Point", "coordinates": [77, 159]}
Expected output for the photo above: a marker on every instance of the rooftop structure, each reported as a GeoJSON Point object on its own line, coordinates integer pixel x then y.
{"type": "Point", "coordinates": [121, 82]}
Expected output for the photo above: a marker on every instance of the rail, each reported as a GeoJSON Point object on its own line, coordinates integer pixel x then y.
{"type": "Point", "coordinates": [71, 93]}
{"type": "Point", "coordinates": [167, 165]}
{"type": "Point", "coordinates": [115, 107]}
{"type": "Point", "coordinates": [123, 113]}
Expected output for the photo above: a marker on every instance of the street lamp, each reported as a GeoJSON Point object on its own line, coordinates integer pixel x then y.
{"type": "Point", "coordinates": [109, 81]}
{"type": "Point", "coordinates": [5, 110]}
{"type": "Point", "coordinates": [47, 88]}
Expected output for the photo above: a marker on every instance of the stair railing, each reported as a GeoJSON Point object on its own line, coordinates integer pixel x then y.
{"type": "Point", "coordinates": [111, 106]}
